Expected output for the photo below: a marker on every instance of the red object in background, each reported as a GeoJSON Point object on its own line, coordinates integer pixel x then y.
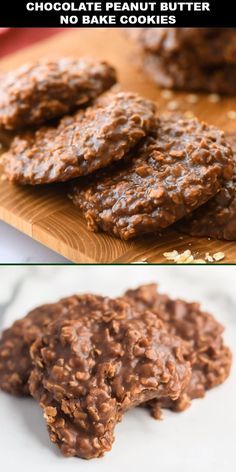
{"type": "Point", "coordinates": [13, 39]}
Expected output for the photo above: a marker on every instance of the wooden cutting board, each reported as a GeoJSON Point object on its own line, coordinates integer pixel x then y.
{"type": "Point", "coordinates": [48, 216]}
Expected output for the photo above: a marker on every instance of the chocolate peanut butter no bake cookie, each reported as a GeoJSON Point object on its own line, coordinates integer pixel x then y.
{"type": "Point", "coordinates": [183, 73]}
{"type": "Point", "coordinates": [90, 369]}
{"type": "Point", "coordinates": [87, 359]}
{"type": "Point", "coordinates": [210, 359]}
{"type": "Point", "coordinates": [47, 89]}
{"type": "Point", "coordinates": [166, 177]}
{"type": "Point", "coordinates": [90, 140]}
{"type": "Point", "coordinates": [217, 218]}
{"type": "Point", "coordinates": [200, 59]}
{"type": "Point", "coordinates": [15, 342]}
{"type": "Point", "coordinates": [211, 46]}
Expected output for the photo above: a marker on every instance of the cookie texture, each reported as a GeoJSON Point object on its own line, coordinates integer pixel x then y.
{"type": "Point", "coordinates": [43, 90]}
{"type": "Point", "coordinates": [217, 218]}
{"type": "Point", "coordinates": [15, 342]}
{"type": "Point", "coordinates": [204, 348]}
{"type": "Point", "coordinates": [81, 144]}
{"type": "Point", "coordinates": [172, 172]}
{"type": "Point", "coordinates": [90, 369]}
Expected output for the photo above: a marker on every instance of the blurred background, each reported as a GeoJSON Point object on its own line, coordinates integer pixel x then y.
{"type": "Point", "coordinates": [13, 39]}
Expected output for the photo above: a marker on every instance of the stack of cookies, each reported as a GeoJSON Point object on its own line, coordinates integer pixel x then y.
{"type": "Point", "coordinates": [201, 59]}
{"type": "Point", "coordinates": [217, 218]}
{"type": "Point", "coordinates": [87, 359]}
{"type": "Point", "coordinates": [133, 172]}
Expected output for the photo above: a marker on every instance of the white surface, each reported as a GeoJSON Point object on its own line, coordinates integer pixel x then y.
{"type": "Point", "coordinates": [16, 247]}
{"type": "Point", "coordinates": [202, 439]}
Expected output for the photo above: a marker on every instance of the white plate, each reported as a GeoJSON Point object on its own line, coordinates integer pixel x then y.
{"type": "Point", "coordinates": [202, 439]}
